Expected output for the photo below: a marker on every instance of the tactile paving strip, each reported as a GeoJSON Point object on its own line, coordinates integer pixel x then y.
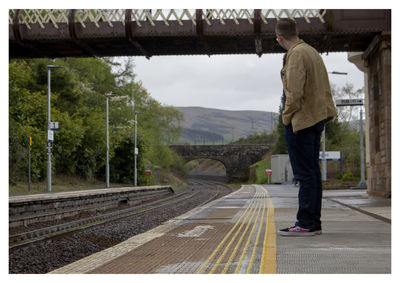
{"type": "Point", "coordinates": [232, 230]}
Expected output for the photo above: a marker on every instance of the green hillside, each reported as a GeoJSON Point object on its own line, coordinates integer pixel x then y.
{"type": "Point", "coordinates": [215, 126]}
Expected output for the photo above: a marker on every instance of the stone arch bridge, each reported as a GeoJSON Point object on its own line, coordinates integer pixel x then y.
{"type": "Point", "coordinates": [236, 158]}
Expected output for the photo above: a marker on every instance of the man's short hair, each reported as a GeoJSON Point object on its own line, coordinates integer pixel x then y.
{"type": "Point", "coordinates": [287, 28]}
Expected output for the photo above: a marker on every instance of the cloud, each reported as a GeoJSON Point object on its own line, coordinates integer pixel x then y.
{"type": "Point", "coordinates": [231, 82]}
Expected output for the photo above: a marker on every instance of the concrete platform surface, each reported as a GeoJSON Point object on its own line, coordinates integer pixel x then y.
{"type": "Point", "coordinates": [238, 234]}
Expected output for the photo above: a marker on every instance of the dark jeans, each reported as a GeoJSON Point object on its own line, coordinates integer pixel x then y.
{"type": "Point", "coordinates": [303, 147]}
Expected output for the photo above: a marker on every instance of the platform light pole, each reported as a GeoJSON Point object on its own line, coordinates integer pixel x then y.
{"type": "Point", "coordinates": [29, 162]}
{"type": "Point", "coordinates": [324, 170]}
{"type": "Point", "coordinates": [50, 137]}
{"type": "Point", "coordinates": [136, 148]}
{"type": "Point", "coordinates": [357, 102]}
{"type": "Point", "coordinates": [323, 175]}
{"type": "Point", "coordinates": [107, 143]}
{"type": "Point", "coordinates": [362, 158]}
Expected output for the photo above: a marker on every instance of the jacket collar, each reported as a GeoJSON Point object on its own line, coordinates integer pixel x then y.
{"type": "Point", "coordinates": [300, 41]}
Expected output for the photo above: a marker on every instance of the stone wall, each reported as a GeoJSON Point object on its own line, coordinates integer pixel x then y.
{"type": "Point", "coordinates": [378, 60]}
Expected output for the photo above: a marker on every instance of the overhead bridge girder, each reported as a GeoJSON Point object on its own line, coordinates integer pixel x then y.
{"type": "Point", "coordinates": [83, 33]}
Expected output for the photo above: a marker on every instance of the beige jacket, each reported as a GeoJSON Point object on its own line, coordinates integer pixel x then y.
{"type": "Point", "coordinates": [306, 85]}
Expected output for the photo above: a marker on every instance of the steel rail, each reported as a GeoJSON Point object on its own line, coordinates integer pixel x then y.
{"type": "Point", "coordinates": [47, 233]}
{"type": "Point", "coordinates": [30, 218]}
{"type": "Point", "coordinates": [22, 239]}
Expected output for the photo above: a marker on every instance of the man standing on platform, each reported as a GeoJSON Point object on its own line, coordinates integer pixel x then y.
{"type": "Point", "coordinates": [308, 106]}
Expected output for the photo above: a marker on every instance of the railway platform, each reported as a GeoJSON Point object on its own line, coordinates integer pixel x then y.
{"type": "Point", "coordinates": [32, 208]}
{"type": "Point", "coordinates": [238, 234]}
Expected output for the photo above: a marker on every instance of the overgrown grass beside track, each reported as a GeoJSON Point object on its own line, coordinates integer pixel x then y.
{"type": "Point", "coordinates": [73, 183]}
{"type": "Point", "coordinates": [257, 171]}
{"type": "Point", "coordinates": [59, 184]}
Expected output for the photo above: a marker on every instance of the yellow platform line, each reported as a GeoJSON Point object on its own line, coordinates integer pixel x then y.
{"type": "Point", "coordinates": [235, 250]}
{"type": "Point", "coordinates": [268, 260]}
{"type": "Point", "coordinates": [221, 257]}
{"type": "Point", "coordinates": [225, 238]}
{"type": "Point", "coordinates": [253, 254]}
{"type": "Point", "coordinates": [258, 223]}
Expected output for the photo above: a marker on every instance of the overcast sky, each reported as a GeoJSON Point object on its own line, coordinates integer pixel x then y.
{"type": "Point", "coordinates": [230, 82]}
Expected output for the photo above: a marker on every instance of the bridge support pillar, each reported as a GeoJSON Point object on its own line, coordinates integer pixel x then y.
{"type": "Point", "coordinates": [375, 62]}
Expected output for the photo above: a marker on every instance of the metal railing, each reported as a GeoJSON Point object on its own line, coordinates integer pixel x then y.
{"type": "Point", "coordinates": [83, 16]}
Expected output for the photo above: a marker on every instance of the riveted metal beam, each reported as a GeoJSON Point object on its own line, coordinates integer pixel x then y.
{"type": "Point", "coordinates": [257, 32]}
{"type": "Point", "coordinates": [194, 32]}
{"type": "Point", "coordinates": [129, 34]}
{"type": "Point", "coordinates": [18, 37]}
{"type": "Point", "coordinates": [72, 33]}
{"type": "Point", "coordinates": [16, 32]}
{"type": "Point", "coordinates": [199, 22]}
{"type": "Point", "coordinates": [200, 31]}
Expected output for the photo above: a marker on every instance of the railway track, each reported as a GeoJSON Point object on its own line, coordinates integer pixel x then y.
{"type": "Point", "coordinates": [43, 209]}
{"type": "Point", "coordinates": [45, 249]}
{"type": "Point", "coordinates": [45, 233]}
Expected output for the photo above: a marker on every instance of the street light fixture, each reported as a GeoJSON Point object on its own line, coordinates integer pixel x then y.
{"type": "Point", "coordinates": [337, 73]}
{"type": "Point", "coordinates": [107, 143]}
{"type": "Point", "coordinates": [50, 137]}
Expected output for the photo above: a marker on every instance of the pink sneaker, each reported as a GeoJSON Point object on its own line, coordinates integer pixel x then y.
{"type": "Point", "coordinates": [297, 231]}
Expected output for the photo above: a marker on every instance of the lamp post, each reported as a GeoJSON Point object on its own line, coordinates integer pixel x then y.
{"type": "Point", "coordinates": [323, 177]}
{"type": "Point", "coordinates": [50, 137]}
{"type": "Point", "coordinates": [29, 162]}
{"type": "Point", "coordinates": [362, 159]}
{"type": "Point", "coordinates": [323, 157]}
{"type": "Point", "coordinates": [107, 144]}
{"type": "Point", "coordinates": [357, 102]}
{"type": "Point", "coordinates": [136, 149]}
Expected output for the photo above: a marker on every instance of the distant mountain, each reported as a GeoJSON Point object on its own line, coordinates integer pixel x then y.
{"type": "Point", "coordinates": [206, 125]}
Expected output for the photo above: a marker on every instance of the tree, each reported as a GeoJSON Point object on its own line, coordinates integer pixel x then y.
{"type": "Point", "coordinates": [280, 144]}
{"type": "Point", "coordinates": [339, 136]}
{"type": "Point", "coordinates": [257, 138]}
{"type": "Point", "coordinates": [27, 117]}
{"type": "Point", "coordinates": [347, 114]}
{"type": "Point", "coordinates": [78, 103]}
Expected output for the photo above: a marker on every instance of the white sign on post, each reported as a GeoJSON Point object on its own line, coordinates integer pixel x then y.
{"type": "Point", "coordinates": [54, 125]}
{"type": "Point", "coordinates": [330, 155]}
{"type": "Point", "coordinates": [50, 135]}
{"type": "Point", "coordinates": [349, 102]}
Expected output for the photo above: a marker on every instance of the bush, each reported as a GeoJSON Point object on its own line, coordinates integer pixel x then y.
{"type": "Point", "coordinates": [348, 176]}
